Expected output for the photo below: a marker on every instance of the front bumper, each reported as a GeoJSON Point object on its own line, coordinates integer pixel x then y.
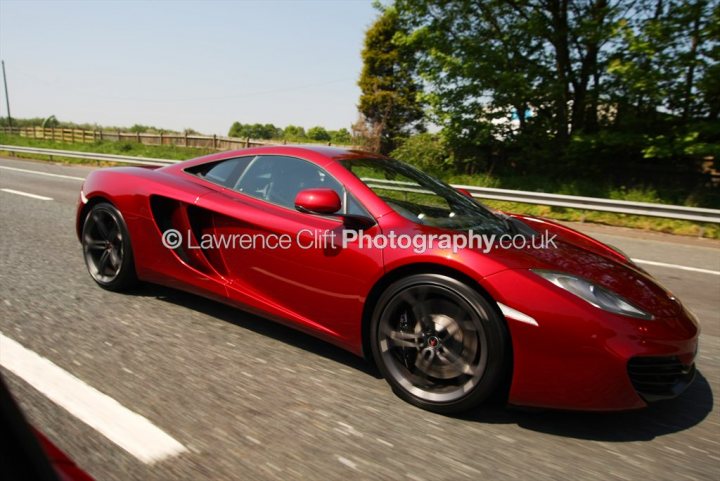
{"type": "Point", "coordinates": [578, 357]}
{"type": "Point", "coordinates": [659, 378]}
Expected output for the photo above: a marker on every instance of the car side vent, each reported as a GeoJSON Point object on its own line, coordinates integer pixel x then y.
{"type": "Point", "coordinates": [172, 214]}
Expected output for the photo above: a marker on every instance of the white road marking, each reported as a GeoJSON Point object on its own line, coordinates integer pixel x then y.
{"type": "Point", "coordinates": [26, 194]}
{"type": "Point", "coordinates": [675, 266]}
{"type": "Point", "coordinates": [132, 432]}
{"type": "Point", "coordinates": [37, 172]}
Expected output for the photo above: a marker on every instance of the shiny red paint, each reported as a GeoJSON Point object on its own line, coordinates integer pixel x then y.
{"type": "Point", "coordinates": [63, 466]}
{"type": "Point", "coordinates": [318, 201]}
{"type": "Point", "coordinates": [574, 358]}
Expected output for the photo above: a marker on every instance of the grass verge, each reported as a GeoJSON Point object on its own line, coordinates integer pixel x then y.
{"type": "Point", "coordinates": [133, 149]}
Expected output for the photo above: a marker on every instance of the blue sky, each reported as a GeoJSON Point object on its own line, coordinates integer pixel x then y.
{"type": "Point", "coordinates": [178, 64]}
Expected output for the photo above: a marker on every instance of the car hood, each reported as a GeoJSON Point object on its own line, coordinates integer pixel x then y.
{"type": "Point", "coordinates": [575, 253]}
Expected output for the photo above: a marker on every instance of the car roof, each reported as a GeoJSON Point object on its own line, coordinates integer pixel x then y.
{"type": "Point", "coordinates": [321, 154]}
{"type": "Point", "coordinates": [330, 152]}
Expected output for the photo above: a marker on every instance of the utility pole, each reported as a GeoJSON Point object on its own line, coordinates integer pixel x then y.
{"type": "Point", "coordinates": [7, 99]}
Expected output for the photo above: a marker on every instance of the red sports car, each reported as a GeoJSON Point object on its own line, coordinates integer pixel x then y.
{"type": "Point", "coordinates": [454, 302]}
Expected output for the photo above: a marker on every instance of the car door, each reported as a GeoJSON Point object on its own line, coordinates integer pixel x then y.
{"type": "Point", "coordinates": [285, 262]}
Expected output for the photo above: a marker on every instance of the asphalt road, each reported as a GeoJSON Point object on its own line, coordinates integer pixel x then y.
{"type": "Point", "coordinates": [249, 399]}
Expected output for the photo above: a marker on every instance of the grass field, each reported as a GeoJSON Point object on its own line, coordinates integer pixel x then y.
{"type": "Point", "coordinates": [559, 213]}
{"type": "Point", "coordinates": [134, 149]}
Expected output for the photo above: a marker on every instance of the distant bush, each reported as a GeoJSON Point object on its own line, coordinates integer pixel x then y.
{"type": "Point", "coordinates": [425, 151]}
{"type": "Point", "coordinates": [341, 137]}
{"type": "Point", "coordinates": [294, 132]}
{"type": "Point", "coordinates": [254, 131]}
{"type": "Point", "coordinates": [318, 133]}
{"type": "Point", "coordinates": [140, 129]}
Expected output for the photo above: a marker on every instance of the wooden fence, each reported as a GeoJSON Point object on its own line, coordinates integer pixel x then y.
{"type": "Point", "coordinates": [181, 140]}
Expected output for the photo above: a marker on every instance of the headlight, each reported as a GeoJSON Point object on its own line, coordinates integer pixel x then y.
{"type": "Point", "coordinates": [594, 294]}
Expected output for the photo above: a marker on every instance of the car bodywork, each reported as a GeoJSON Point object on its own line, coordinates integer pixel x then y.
{"type": "Point", "coordinates": [566, 353]}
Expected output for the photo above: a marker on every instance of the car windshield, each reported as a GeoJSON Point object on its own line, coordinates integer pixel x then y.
{"type": "Point", "coordinates": [422, 198]}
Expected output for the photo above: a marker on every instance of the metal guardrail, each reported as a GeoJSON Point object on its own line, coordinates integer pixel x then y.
{"type": "Point", "coordinates": [86, 155]}
{"type": "Point", "coordinates": [694, 214]}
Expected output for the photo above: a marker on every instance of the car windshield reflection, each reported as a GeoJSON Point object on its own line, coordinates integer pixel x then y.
{"type": "Point", "coordinates": [422, 198]}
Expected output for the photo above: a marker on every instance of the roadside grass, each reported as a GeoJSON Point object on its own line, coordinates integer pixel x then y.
{"type": "Point", "coordinates": [134, 149]}
{"type": "Point", "coordinates": [669, 226]}
{"type": "Point", "coordinates": [655, 224]}
{"type": "Point", "coordinates": [672, 195]}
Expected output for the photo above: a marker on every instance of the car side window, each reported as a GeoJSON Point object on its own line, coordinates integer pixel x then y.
{"type": "Point", "coordinates": [278, 179]}
{"type": "Point", "coordinates": [224, 173]}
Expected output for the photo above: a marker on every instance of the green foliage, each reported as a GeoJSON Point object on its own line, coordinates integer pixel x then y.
{"type": "Point", "coordinates": [294, 132]}
{"type": "Point", "coordinates": [137, 128]}
{"type": "Point", "coordinates": [341, 137]}
{"type": "Point", "coordinates": [598, 97]}
{"type": "Point", "coordinates": [679, 227]}
{"type": "Point", "coordinates": [697, 141]}
{"type": "Point", "coordinates": [665, 58]}
{"type": "Point", "coordinates": [531, 73]}
{"type": "Point", "coordinates": [53, 122]}
{"type": "Point", "coordinates": [389, 99]}
{"type": "Point", "coordinates": [318, 134]}
{"type": "Point", "coordinates": [425, 151]}
{"type": "Point", "coordinates": [291, 133]}
{"type": "Point", "coordinates": [254, 131]}
{"type": "Point", "coordinates": [636, 194]}
{"type": "Point", "coordinates": [108, 147]}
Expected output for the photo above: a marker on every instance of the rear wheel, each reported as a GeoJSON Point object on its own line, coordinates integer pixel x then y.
{"type": "Point", "coordinates": [438, 343]}
{"type": "Point", "coordinates": [106, 248]}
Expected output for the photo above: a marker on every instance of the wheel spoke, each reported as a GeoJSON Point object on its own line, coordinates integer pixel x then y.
{"type": "Point", "coordinates": [101, 227]}
{"type": "Point", "coordinates": [114, 258]}
{"type": "Point", "coordinates": [403, 339]}
{"type": "Point", "coordinates": [452, 331]}
{"type": "Point", "coordinates": [424, 361]}
{"type": "Point", "coordinates": [103, 262]}
{"type": "Point", "coordinates": [114, 233]}
{"type": "Point", "coordinates": [455, 360]}
{"type": "Point", "coordinates": [93, 244]}
{"type": "Point", "coordinates": [417, 300]}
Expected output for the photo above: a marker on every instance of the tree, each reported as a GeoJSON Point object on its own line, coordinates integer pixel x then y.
{"type": "Point", "coordinates": [426, 151]}
{"type": "Point", "coordinates": [487, 61]}
{"type": "Point", "coordinates": [665, 59]}
{"type": "Point", "coordinates": [341, 137]}
{"type": "Point", "coordinates": [294, 132]}
{"type": "Point", "coordinates": [318, 133]}
{"type": "Point", "coordinates": [389, 98]}
{"type": "Point", "coordinates": [254, 131]}
{"type": "Point", "coordinates": [520, 80]}
{"type": "Point", "coordinates": [138, 128]}
{"type": "Point", "coordinates": [709, 83]}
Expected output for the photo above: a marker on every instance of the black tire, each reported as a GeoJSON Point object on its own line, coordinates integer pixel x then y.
{"type": "Point", "coordinates": [107, 249]}
{"type": "Point", "coordinates": [439, 343]}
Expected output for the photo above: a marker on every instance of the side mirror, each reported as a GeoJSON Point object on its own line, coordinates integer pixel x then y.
{"type": "Point", "coordinates": [318, 201]}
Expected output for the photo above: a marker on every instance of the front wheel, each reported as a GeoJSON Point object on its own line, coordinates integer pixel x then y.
{"type": "Point", "coordinates": [106, 248]}
{"type": "Point", "coordinates": [438, 343]}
